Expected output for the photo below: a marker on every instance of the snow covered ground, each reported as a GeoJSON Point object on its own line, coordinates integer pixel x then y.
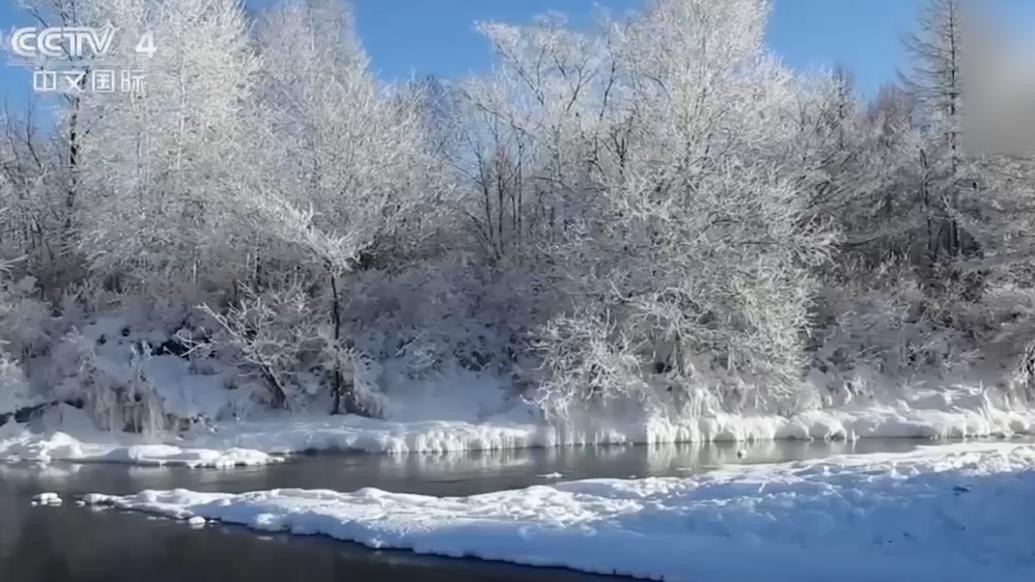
{"type": "Point", "coordinates": [960, 512]}
{"type": "Point", "coordinates": [23, 446]}
{"type": "Point", "coordinates": [451, 410]}
{"type": "Point", "coordinates": [66, 434]}
{"type": "Point", "coordinates": [19, 443]}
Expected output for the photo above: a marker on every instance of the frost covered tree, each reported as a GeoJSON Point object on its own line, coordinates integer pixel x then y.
{"type": "Point", "coordinates": [710, 212]}
{"type": "Point", "coordinates": [526, 133]}
{"type": "Point", "coordinates": [930, 280]}
{"type": "Point", "coordinates": [638, 216]}
{"type": "Point", "coordinates": [972, 199]}
{"type": "Point", "coordinates": [341, 156]}
{"type": "Point", "coordinates": [945, 174]}
{"type": "Point", "coordinates": [58, 162]}
{"type": "Point", "coordinates": [346, 153]}
{"type": "Point", "coordinates": [163, 161]}
{"type": "Point", "coordinates": [38, 184]}
{"type": "Point", "coordinates": [23, 333]}
{"type": "Point", "coordinates": [684, 244]}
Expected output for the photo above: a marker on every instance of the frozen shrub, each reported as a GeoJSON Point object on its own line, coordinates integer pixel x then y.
{"type": "Point", "coordinates": [13, 387]}
{"type": "Point", "coordinates": [591, 364]}
{"type": "Point", "coordinates": [25, 323]}
{"type": "Point", "coordinates": [274, 336]}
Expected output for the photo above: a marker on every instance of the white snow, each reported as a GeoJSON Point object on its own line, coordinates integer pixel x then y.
{"type": "Point", "coordinates": [62, 447]}
{"type": "Point", "coordinates": [70, 435]}
{"type": "Point", "coordinates": [19, 444]}
{"type": "Point", "coordinates": [47, 499]}
{"type": "Point", "coordinates": [965, 414]}
{"type": "Point", "coordinates": [115, 341]}
{"type": "Point", "coordinates": [953, 513]}
{"type": "Point", "coordinates": [447, 411]}
{"type": "Point", "coordinates": [452, 394]}
{"type": "Point", "coordinates": [184, 393]}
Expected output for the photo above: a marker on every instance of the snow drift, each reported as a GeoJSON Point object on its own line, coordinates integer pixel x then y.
{"type": "Point", "coordinates": [68, 434]}
{"type": "Point", "coordinates": [947, 513]}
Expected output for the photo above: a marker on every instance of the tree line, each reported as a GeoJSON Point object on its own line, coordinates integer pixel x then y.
{"type": "Point", "coordinates": [656, 211]}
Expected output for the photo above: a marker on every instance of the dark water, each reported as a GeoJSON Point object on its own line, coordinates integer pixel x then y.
{"type": "Point", "coordinates": [69, 543]}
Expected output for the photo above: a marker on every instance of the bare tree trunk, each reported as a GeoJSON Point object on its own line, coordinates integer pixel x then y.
{"type": "Point", "coordinates": [336, 317]}
{"type": "Point", "coordinates": [73, 167]}
{"type": "Point", "coordinates": [345, 398]}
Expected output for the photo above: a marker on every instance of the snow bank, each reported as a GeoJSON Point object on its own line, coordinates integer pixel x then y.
{"type": "Point", "coordinates": [123, 348]}
{"type": "Point", "coordinates": [19, 444]}
{"type": "Point", "coordinates": [287, 435]}
{"type": "Point", "coordinates": [62, 447]}
{"type": "Point", "coordinates": [47, 499]}
{"type": "Point", "coordinates": [960, 512]}
{"type": "Point", "coordinates": [296, 434]}
{"type": "Point", "coordinates": [898, 419]}
{"type": "Point", "coordinates": [70, 436]}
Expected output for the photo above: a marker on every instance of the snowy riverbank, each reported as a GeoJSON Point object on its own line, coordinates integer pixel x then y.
{"type": "Point", "coordinates": [67, 435]}
{"type": "Point", "coordinates": [959, 512]}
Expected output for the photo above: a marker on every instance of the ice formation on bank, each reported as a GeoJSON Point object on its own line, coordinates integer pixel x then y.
{"type": "Point", "coordinates": [19, 444]}
{"type": "Point", "coordinates": [67, 434]}
{"type": "Point", "coordinates": [955, 513]}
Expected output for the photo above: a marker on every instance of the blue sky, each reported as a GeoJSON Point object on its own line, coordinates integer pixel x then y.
{"type": "Point", "coordinates": [431, 38]}
{"type": "Point", "coordinates": [436, 36]}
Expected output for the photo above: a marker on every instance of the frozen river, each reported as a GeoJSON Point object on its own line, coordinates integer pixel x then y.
{"type": "Point", "coordinates": [70, 543]}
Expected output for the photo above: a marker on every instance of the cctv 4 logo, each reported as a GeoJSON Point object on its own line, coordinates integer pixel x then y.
{"type": "Point", "coordinates": [76, 42]}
